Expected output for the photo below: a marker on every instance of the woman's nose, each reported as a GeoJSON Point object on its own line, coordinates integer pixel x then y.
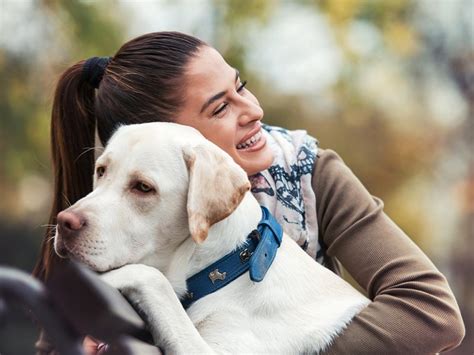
{"type": "Point", "coordinates": [251, 111]}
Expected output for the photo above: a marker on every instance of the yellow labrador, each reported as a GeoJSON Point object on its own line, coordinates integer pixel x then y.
{"type": "Point", "coordinates": [166, 204]}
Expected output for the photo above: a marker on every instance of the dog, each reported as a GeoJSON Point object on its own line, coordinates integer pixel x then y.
{"type": "Point", "coordinates": [166, 204]}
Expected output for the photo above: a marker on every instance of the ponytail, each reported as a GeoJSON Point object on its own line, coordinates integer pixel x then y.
{"type": "Point", "coordinates": [143, 83]}
{"type": "Point", "coordinates": [72, 136]}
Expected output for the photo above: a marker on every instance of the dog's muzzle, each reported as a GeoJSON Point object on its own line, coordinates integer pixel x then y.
{"type": "Point", "coordinates": [69, 227]}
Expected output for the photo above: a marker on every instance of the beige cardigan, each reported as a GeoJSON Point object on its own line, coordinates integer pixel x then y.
{"type": "Point", "coordinates": [413, 309]}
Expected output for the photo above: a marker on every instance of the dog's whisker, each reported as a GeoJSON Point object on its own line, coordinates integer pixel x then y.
{"type": "Point", "coordinates": [68, 203]}
{"type": "Point", "coordinates": [86, 150]}
{"type": "Point", "coordinates": [50, 232]}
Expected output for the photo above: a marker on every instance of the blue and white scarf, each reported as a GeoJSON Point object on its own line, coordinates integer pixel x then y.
{"type": "Point", "coordinates": [285, 187]}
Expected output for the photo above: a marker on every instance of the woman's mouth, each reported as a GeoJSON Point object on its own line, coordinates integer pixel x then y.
{"type": "Point", "coordinates": [251, 142]}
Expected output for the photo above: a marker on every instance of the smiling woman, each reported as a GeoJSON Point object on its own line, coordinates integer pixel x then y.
{"type": "Point", "coordinates": [170, 76]}
{"type": "Point", "coordinates": [231, 118]}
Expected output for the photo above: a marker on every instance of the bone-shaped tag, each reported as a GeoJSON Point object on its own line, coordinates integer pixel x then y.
{"type": "Point", "coordinates": [216, 275]}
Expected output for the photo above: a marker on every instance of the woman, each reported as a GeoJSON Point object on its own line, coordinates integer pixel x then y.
{"type": "Point", "coordinates": [169, 76]}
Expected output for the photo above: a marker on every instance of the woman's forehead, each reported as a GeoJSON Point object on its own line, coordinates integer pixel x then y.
{"type": "Point", "coordinates": [207, 67]}
{"type": "Point", "coordinates": [207, 74]}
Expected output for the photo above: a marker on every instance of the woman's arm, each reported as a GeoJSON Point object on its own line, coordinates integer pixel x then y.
{"type": "Point", "coordinates": [413, 309]}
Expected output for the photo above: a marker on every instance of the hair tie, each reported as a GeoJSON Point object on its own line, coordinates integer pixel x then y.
{"type": "Point", "coordinates": [93, 70]}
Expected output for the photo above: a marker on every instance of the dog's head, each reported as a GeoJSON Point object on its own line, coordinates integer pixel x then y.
{"type": "Point", "coordinates": [155, 185]}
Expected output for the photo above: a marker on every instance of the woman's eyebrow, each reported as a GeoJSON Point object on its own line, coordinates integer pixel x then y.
{"type": "Point", "coordinates": [219, 95]}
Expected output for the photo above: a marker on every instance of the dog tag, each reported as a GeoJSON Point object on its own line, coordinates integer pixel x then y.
{"type": "Point", "coordinates": [216, 275]}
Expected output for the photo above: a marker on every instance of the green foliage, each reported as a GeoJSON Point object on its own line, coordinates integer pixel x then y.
{"type": "Point", "coordinates": [396, 150]}
{"type": "Point", "coordinates": [235, 18]}
{"type": "Point", "coordinates": [85, 29]}
{"type": "Point", "coordinates": [89, 26]}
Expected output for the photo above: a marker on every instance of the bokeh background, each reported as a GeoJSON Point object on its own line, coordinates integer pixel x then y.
{"type": "Point", "coordinates": [387, 84]}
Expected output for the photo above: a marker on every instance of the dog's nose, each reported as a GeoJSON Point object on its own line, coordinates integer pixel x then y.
{"type": "Point", "coordinates": [70, 222]}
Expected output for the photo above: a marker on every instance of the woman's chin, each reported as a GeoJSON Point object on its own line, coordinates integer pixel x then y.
{"type": "Point", "coordinates": [256, 162]}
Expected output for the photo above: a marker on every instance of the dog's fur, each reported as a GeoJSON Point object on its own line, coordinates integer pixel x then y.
{"type": "Point", "coordinates": [199, 210]}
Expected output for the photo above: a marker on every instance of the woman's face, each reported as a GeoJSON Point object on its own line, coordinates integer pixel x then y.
{"type": "Point", "coordinates": [224, 111]}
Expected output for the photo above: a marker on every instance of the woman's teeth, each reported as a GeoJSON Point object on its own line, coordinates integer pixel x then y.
{"type": "Point", "coordinates": [251, 141]}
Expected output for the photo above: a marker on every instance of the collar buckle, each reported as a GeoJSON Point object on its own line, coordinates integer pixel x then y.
{"type": "Point", "coordinates": [245, 255]}
{"type": "Point", "coordinates": [255, 234]}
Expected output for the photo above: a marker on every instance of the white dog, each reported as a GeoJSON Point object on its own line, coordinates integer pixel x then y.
{"type": "Point", "coordinates": [166, 204]}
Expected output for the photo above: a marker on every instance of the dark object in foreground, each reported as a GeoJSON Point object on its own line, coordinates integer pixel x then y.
{"type": "Point", "coordinates": [73, 303]}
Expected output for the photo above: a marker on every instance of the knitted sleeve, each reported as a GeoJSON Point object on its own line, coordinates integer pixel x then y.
{"type": "Point", "coordinates": [413, 309]}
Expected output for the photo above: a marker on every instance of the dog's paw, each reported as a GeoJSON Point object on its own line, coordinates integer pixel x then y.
{"type": "Point", "coordinates": [143, 286]}
{"type": "Point", "coordinates": [133, 277]}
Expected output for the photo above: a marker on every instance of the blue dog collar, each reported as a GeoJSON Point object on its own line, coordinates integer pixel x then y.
{"type": "Point", "coordinates": [256, 254]}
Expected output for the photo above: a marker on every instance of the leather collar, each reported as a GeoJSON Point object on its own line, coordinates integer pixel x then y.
{"type": "Point", "coordinates": [256, 255]}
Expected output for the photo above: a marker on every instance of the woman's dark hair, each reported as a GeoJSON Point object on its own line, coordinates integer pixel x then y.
{"type": "Point", "coordinates": [143, 82]}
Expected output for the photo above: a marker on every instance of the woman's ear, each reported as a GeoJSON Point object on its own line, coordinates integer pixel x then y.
{"type": "Point", "coordinates": [217, 185]}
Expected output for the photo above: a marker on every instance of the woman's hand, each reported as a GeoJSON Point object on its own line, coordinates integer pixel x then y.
{"type": "Point", "coordinates": [93, 346]}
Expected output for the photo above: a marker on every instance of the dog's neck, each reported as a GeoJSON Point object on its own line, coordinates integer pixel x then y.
{"type": "Point", "coordinates": [223, 237]}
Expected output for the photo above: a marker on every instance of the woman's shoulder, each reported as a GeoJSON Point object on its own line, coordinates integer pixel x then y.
{"type": "Point", "coordinates": [339, 193]}
{"type": "Point", "coordinates": [330, 168]}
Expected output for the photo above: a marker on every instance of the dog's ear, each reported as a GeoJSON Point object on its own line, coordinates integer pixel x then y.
{"type": "Point", "coordinates": [217, 185]}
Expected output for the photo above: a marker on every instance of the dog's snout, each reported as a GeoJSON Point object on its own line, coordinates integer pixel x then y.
{"type": "Point", "coordinates": [70, 222]}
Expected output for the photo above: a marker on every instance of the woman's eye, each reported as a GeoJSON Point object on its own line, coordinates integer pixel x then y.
{"type": "Point", "coordinates": [223, 108]}
{"type": "Point", "coordinates": [242, 86]}
{"type": "Point", "coordinates": [100, 171]}
{"type": "Point", "coordinates": [220, 110]}
{"type": "Point", "coordinates": [142, 187]}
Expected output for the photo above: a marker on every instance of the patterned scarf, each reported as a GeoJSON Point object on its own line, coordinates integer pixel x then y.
{"type": "Point", "coordinates": [285, 187]}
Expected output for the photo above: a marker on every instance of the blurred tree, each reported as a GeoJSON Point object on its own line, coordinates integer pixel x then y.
{"type": "Point", "coordinates": [233, 18]}
{"type": "Point", "coordinates": [81, 29]}
{"type": "Point", "coordinates": [377, 115]}
{"type": "Point", "coordinates": [68, 31]}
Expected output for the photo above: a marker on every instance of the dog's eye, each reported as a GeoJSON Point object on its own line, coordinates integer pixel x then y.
{"type": "Point", "coordinates": [100, 171]}
{"type": "Point", "coordinates": [142, 187]}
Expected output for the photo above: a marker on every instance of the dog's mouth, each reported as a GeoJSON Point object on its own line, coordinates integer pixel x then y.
{"type": "Point", "coordinates": [84, 259]}
{"type": "Point", "coordinates": [60, 248]}
{"type": "Point", "coordinates": [65, 251]}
